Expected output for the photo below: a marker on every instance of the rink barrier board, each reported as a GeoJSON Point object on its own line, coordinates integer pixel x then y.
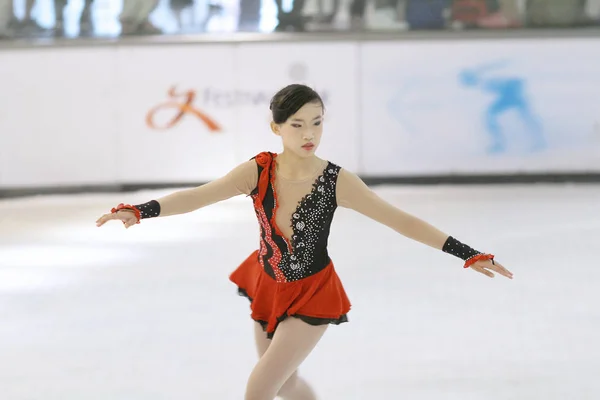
{"type": "Point", "coordinates": [408, 127]}
{"type": "Point", "coordinates": [514, 179]}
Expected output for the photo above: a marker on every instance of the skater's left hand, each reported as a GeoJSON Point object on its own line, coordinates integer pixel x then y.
{"type": "Point", "coordinates": [482, 266]}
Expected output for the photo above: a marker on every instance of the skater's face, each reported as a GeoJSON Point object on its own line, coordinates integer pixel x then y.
{"type": "Point", "coordinates": [301, 133]}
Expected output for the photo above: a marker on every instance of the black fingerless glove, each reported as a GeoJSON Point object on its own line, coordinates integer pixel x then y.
{"type": "Point", "coordinates": [150, 209]}
{"type": "Point", "coordinates": [464, 252]}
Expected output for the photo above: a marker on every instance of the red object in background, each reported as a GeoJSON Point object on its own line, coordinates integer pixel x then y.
{"type": "Point", "coordinates": [469, 12]}
{"type": "Point", "coordinates": [477, 13]}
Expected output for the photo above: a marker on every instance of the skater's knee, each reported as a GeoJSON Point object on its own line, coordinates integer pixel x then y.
{"type": "Point", "coordinates": [258, 393]}
{"type": "Point", "coordinates": [260, 389]}
{"type": "Point", "coordinates": [289, 387]}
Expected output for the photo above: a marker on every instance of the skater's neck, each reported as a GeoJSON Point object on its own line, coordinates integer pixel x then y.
{"type": "Point", "coordinates": [293, 167]}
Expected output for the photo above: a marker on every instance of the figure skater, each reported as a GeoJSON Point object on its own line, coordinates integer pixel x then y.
{"type": "Point", "coordinates": [295, 195]}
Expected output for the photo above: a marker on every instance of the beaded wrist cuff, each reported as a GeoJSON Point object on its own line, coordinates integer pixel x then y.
{"type": "Point", "coordinates": [150, 209]}
{"type": "Point", "coordinates": [464, 252]}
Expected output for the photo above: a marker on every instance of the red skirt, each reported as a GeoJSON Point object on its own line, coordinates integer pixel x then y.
{"type": "Point", "coordinates": [318, 299]}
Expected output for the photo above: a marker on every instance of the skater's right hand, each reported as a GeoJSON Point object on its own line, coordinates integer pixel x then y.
{"type": "Point", "coordinates": [126, 216]}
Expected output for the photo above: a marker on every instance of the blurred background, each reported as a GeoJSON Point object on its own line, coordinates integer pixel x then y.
{"type": "Point", "coordinates": [480, 116]}
{"type": "Point", "coordinates": [110, 18]}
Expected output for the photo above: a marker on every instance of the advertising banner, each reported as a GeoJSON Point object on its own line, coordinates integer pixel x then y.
{"type": "Point", "coordinates": [57, 120]}
{"type": "Point", "coordinates": [176, 120]}
{"type": "Point", "coordinates": [480, 106]}
{"type": "Point", "coordinates": [190, 113]}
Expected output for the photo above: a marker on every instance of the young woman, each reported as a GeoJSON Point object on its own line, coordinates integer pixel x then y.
{"type": "Point", "coordinates": [295, 195]}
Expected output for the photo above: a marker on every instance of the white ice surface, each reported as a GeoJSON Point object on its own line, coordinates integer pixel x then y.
{"type": "Point", "coordinates": [148, 313]}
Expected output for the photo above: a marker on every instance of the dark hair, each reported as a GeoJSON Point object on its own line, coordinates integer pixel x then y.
{"type": "Point", "coordinates": [290, 99]}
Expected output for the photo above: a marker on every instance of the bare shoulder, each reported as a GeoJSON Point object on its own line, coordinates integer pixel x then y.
{"type": "Point", "coordinates": [344, 173]}
{"type": "Point", "coordinates": [243, 176]}
{"type": "Point", "coordinates": [245, 167]}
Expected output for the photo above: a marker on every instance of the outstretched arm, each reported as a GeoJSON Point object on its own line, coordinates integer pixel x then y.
{"type": "Point", "coordinates": [353, 193]}
{"type": "Point", "coordinates": [241, 180]}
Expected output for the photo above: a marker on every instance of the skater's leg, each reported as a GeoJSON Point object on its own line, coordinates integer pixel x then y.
{"type": "Point", "coordinates": [295, 388]}
{"type": "Point", "coordinates": [292, 343]}
{"type": "Point", "coordinates": [260, 337]}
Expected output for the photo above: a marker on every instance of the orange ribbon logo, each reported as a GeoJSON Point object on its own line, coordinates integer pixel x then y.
{"type": "Point", "coordinates": [182, 103]}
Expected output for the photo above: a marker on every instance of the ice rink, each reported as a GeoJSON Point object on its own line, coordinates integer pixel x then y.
{"type": "Point", "coordinates": [148, 313]}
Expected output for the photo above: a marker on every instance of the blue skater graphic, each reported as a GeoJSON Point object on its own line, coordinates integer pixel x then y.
{"type": "Point", "coordinates": [510, 92]}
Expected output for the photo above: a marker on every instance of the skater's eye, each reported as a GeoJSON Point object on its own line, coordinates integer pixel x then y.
{"type": "Point", "coordinates": [296, 125]}
{"type": "Point", "coordinates": [317, 123]}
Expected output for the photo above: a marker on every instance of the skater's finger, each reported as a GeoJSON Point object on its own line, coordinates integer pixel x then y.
{"type": "Point", "coordinates": [129, 221]}
{"type": "Point", "coordinates": [482, 271]}
{"type": "Point", "coordinates": [499, 268]}
{"type": "Point", "coordinates": [106, 217]}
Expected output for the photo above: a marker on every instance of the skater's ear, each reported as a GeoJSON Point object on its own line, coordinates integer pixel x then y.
{"type": "Point", "coordinates": [276, 128]}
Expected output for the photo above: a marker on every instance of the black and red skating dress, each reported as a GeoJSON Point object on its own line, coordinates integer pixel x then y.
{"type": "Point", "coordinates": [293, 276]}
